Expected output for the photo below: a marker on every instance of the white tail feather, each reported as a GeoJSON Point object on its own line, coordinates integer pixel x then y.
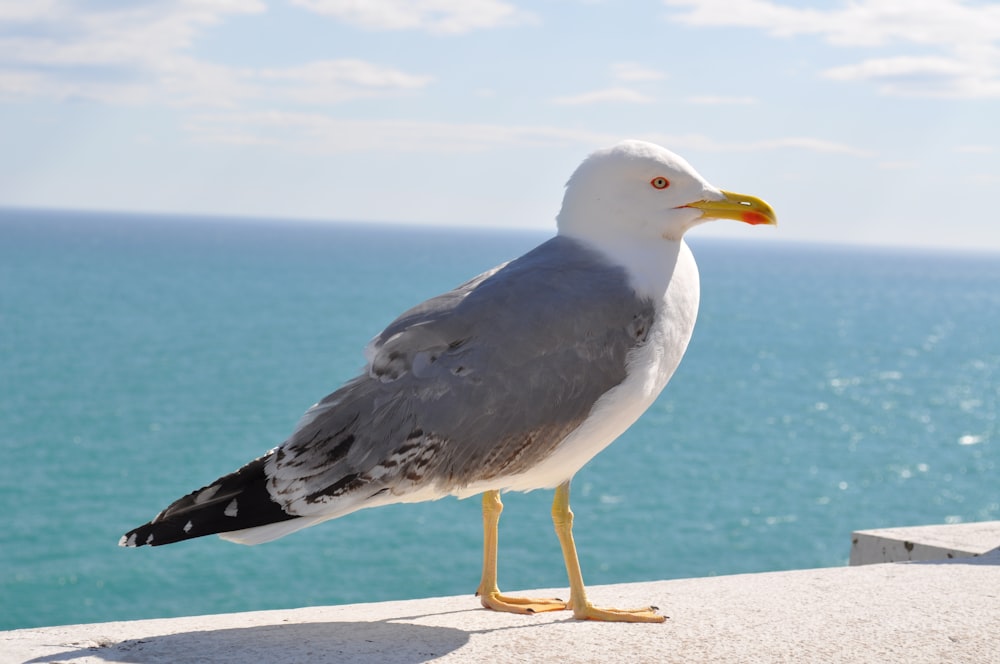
{"type": "Point", "coordinates": [272, 531]}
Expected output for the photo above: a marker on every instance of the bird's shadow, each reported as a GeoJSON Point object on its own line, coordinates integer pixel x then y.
{"type": "Point", "coordinates": [391, 640]}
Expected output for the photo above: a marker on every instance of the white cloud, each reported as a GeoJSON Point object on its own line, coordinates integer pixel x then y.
{"type": "Point", "coordinates": [631, 71]}
{"type": "Point", "coordinates": [126, 53]}
{"type": "Point", "coordinates": [900, 165]}
{"type": "Point", "coordinates": [434, 16]}
{"type": "Point", "coordinates": [337, 72]}
{"type": "Point", "coordinates": [325, 134]}
{"type": "Point", "coordinates": [929, 76]}
{"type": "Point", "coordinates": [699, 142]}
{"type": "Point", "coordinates": [722, 101]}
{"type": "Point", "coordinates": [186, 82]}
{"type": "Point", "coordinates": [615, 95]}
{"type": "Point", "coordinates": [857, 23]}
{"type": "Point", "coordinates": [975, 149]}
{"type": "Point", "coordinates": [967, 34]}
{"type": "Point", "coordinates": [333, 81]}
{"type": "Point", "coordinates": [138, 54]}
{"type": "Point", "coordinates": [986, 179]}
{"type": "Point", "coordinates": [14, 10]}
{"type": "Point", "coordinates": [129, 33]}
{"type": "Point", "coordinates": [902, 67]}
{"type": "Point", "coordinates": [625, 72]}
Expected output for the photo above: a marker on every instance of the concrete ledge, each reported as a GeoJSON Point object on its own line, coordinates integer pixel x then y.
{"type": "Point", "coordinates": [947, 611]}
{"type": "Point", "coordinates": [960, 540]}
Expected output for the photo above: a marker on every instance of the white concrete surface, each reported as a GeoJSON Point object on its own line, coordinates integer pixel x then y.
{"type": "Point", "coordinates": [960, 540]}
{"type": "Point", "coordinates": [947, 611]}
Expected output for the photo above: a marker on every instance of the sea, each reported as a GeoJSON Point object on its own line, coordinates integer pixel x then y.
{"type": "Point", "coordinates": [827, 389]}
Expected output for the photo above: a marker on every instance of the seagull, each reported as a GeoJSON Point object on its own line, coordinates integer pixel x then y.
{"type": "Point", "coordinates": [510, 382]}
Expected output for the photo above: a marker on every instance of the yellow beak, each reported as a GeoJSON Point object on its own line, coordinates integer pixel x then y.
{"type": "Point", "coordinates": [748, 209]}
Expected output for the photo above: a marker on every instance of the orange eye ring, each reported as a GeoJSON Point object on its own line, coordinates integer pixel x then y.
{"type": "Point", "coordinates": [660, 183]}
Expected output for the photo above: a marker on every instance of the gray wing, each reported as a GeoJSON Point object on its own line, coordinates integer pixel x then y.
{"type": "Point", "coordinates": [476, 384]}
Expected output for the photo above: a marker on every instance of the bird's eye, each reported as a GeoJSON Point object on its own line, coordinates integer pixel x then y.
{"type": "Point", "coordinates": [660, 183]}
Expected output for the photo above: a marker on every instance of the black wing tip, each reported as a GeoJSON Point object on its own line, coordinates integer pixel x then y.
{"type": "Point", "coordinates": [237, 501]}
{"type": "Point", "coordinates": [154, 534]}
{"type": "Point", "coordinates": [132, 538]}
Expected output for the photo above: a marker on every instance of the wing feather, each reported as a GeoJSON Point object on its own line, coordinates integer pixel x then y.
{"type": "Point", "coordinates": [474, 385]}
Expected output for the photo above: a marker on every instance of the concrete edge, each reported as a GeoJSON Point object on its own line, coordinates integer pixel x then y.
{"type": "Point", "coordinates": [917, 612]}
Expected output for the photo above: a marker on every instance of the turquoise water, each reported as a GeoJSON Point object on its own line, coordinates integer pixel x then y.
{"type": "Point", "coordinates": [825, 390]}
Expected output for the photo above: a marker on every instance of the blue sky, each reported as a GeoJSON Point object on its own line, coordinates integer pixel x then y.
{"type": "Point", "coordinates": [871, 121]}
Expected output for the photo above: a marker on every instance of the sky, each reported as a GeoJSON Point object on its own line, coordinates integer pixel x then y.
{"type": "Point", "coordinates": [868, 121]}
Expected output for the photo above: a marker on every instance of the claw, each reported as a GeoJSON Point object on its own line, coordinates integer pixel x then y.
{"type": "Point", "coordinates": [646, 614]}
{"type": "Point", "coordinates": [498, 602]}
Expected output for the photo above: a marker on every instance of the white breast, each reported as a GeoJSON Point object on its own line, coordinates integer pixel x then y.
{"type": "Point", "coordinates": [675, 278]}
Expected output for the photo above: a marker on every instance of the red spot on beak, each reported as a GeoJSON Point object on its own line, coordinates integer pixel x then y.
{"type": "Point", "coordinates": [754, 218]}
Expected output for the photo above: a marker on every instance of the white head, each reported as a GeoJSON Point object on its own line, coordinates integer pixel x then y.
{"type": "Point", "coordinates": [643, 191]}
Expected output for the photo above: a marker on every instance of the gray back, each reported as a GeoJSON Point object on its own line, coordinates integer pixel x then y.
{"type": "Point", "coordinates": [476, 384]}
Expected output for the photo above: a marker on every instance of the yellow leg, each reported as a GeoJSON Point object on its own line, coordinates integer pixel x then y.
{"type": "Point", "coordinates": [562, 517]}
{"type": "Point", "coordinates": [489, 593]}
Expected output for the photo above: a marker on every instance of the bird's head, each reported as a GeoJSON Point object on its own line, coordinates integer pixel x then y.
{"type": "Point", "coordinates": [643, 191]}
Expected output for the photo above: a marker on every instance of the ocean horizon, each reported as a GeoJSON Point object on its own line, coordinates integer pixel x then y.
{"type": "Point", "coordinates": [826, 389]}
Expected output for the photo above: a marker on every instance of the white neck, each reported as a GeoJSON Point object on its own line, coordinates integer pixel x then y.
{"type": "Point", "coordinates": [651, 265]}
